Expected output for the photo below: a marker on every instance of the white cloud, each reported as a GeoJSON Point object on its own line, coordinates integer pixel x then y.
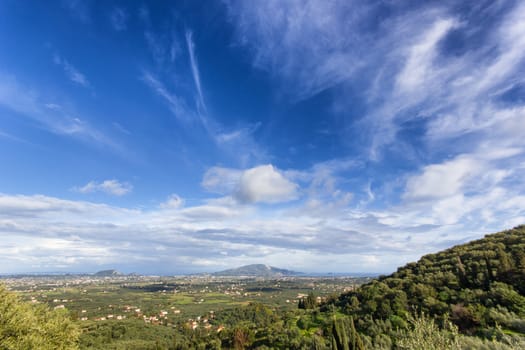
{"type": "Point", "coordinates": [468, 87]}
{"type": "Point", "coordinates": [221, 180]}
{"type": "Point", "coordinates": [174, 202]}
{"type": "Point", "coordinates": [211, 213]}
{"type": "Point", "coordinates": [280, 34]}
{"type": "Point", "coordinates": [472, 173]}
{"type": "Point", "coordinates": [419, 63]}
{"type": "Point", "coordinates": [265, 184]}
{"type": "Point", "coordinates": [442, 180]}
{"type": "Point", "coordinates": [113, 187]}
{"type": "Point", "coordinates": [82, 235]}
{"type": "Point", "coordinates": [510, 40]}
{"type": "Point", "coordinates": [468, 190]}
{"type": "Point", "coordinates": [36, 206]}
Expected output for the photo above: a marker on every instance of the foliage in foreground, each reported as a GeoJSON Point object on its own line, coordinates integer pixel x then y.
{"type": "Point", "coordinates": [424, 333]}
{"type": "Point", "coordinates": [27, 326]}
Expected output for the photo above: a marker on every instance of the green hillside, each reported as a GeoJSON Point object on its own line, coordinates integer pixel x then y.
{"type": "Point", "coordinates": [479, 286]}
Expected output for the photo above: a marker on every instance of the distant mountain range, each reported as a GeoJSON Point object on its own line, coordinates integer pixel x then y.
{"type": "Point", "coordinates": [257, 270]}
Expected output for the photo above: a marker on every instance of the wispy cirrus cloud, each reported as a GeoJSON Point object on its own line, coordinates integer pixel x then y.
{"type": "Point", "coordinates": [281, 39]}
{"type": "Point", "coordinates": [188, 105]}
{"type": "Point", "coordinates": [164, 46]}
{"type": "Point", "coordinates": [30, 103]}
{"type": "Point", "coordinates": [418, 67]}
{"type": "Point", "coordinates": [409, 71]}
{"type": "Point", "coordinates": [407, 75]}
{"type": "Point", "coordinates": [177, 104]}
{"type": "Point", "coordinates": [8, 136]}
{"type": "Point", "coordinates": [195, 69]}
{"type": "Point", "coordinates": [72, 73]}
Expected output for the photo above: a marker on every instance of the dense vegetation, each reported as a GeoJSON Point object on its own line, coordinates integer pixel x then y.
{"type": "Point", "coordinates": [26, 326]}
{"type": "Point", "coordinates": [471, 296]}
{"type": "Point", "coordinates": [479, 286]}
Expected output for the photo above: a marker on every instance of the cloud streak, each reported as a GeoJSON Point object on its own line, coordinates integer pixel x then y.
{"type": "Point", "coordinates": [113, 187]}
{"type": "Point", "coordinates": [72, 73]}
{"type": "Point", "coordinates": [228, 140]}
{"type": "Point", "coordinates": [31, 104]}
{"type": "Point", "coordinates": [420, 57]}
{"type": "Point", "coordinates": [176, 104]}
{"type": "Point", "coordinates": [195, 68]}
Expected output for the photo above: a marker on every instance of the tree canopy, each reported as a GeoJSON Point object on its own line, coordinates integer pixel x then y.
{"type": "Point", "coordinates": [27, 326]}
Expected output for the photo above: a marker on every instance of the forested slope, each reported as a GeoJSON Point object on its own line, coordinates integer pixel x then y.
{"type": "Point", "coordinates": [478, 286]}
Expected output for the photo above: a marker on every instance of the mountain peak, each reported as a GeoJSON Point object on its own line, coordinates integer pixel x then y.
{"type": "Point", "coordinates": [257, 270]}
{"type": "Point", "coordinates": [108, 273]}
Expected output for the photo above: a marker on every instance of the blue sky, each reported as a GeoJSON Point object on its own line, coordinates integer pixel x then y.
{"type": "Point", "coordinates": [321, 136]}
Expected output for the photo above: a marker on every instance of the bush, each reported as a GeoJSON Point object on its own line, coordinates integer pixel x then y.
{"type": "Point", "coordinates": [425, 334]}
